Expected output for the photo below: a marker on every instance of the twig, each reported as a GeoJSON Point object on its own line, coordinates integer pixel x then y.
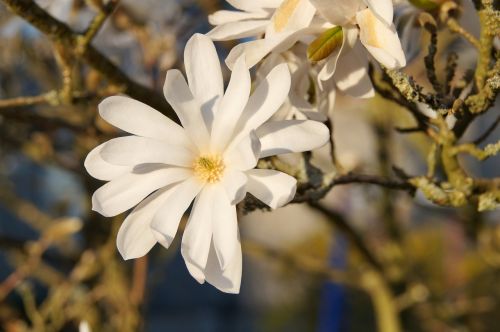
{"type": "Point", "coordinates": [45, 98]}
{"type": "Point", "coordinates": [95, 26]}
{"type": "Point", "coordinates": [350, 178]}
{"type": "Point", "coordinates": [454, 26]}
{"type": "Point", "coordinates": [372, 179]}
{"type": "Point", "coordinates": [344, 226]}
{"type": "Point", "coordinates": [488, 131]}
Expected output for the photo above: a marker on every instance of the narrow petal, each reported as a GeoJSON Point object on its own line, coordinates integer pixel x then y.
{"type": "Point", "coordinates": [271, 187]}
{"type": "Point", "coordinates": [351, 76]}
{"type": "Point", "coordinates": [198, 233]}
{"type": "Point", "coordinates": [221, 17]}
{"type": "Point", "coordinates": [286, 136]}
{"type": "Point", "coordinates": [380, 40]}
{"type": "Point", "coordinates": [383, 9]}
{"type": "Point", "coordinates": [166, 220]}
{"type": "Point", "coordinates": [134, 150]}
{"type": "Point", "coordinates": [244, 154]}
{"type": "Point", "coordinates": [123, 193]}
{"type": "Point", "coordinates": [229, 279]}
{"type": "Point", "coordinates": [254, 4]}
{"type": "Point", "coordinates": [290, 16]}
{"type": "Point", "coordinates": [135, 237]}
{"type": "Point", "coordinates": [234, 182]}
{"type": "Point", "coordinates": [236, 30]}
{"type": "Point", "coordinates": [181, 99]}
{"type": "Point", "coordinates": [101, 169]}
{"type": "Point", "coordinates": [204, 74]}
{"type": "Point", "coordinates": [256, 50]}
{"type": "Point", "coordinates": [265, 101]}
{"type": "Point", "coordinates": [225, 227]}
{"type": "Point", "coordinates": [139, 119]}
{"type": "Point", "coordinates": [232, 105]}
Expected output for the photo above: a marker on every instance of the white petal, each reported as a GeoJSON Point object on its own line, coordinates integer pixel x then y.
{"type": "Point", "coordinates": [286, 136]}
{"type": "Point", "coordinates": [194, 270]}
{"type": "Point", "coordinates": [330, 65]}
{"type": "Point", "coordinates": [331, 62]}
{"type": "Point", "coordinates": [256, 50]}
{"type": "Point", "coordinates": [204, 74]}
{"type": "Point", "coordinates": [265, 101]}
{"type": "Point", "coordinates": [232, 105]}
{"type": "Point", "coordinates": [254, 4]}
{"type": "Point", "coordinates": [123, 193]}
{"type": "Point", "coordinates": [139, 119]}
{"type": "Point", "coordinates": [221, 17]}
{"type": "Point", "coordinates": [198, 233]}
{"type": "Point", "coordinates": [225, 227]}
{"type": "Point", "coordinates": [135, 237]}
{"type": "Point", "coordinates": [134, 150]}
{"type": "Point", "coordinates": [244, 154]}
{"type": "Point", "coordinates": [290, 16]}
{"type": "Point", "coordinates": [166, 220]}
{"type": "Point", "coordinates": [380, 40]}
{"type": "Point", "coordinates": [236, 30]}
{"type": "Point", "coordinates": [271, 187]}
{"type": "Point", "coordinates": [351, 76]}
{"type": "Point", "coordinates": [234, 182]}
{"type": "Point", "coordinates": [181, 99]}
{"type": "Point", "coordinates": [337, 12]}
{"type": "Point", "coordinates": [349, 38]}
{"type": "Point", "coordinates": [228, 280]}
{"type": "Point", "coordinates": [101, 169]}
{"type": "Point", "coordinates": [383, 9]}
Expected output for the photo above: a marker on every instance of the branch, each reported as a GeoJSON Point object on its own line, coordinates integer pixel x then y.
{"type": "Point", "coordinates": [344, 226]}
{"type": "Point", "coordinates": [26, 101]}
{"type": "Point", "coordinates": [61, 33]}
{"type": "Point", "coordinates": [350, 178]}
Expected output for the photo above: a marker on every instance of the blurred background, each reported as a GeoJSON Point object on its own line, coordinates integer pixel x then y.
{"type": "Point", "coordinates": [305, 269]}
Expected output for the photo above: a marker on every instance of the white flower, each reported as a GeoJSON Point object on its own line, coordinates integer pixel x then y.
{"type": "Point", "coordinates": [367, 23]}
{"type": "Point", "coordinates": [162, 167]}
{"type": "Point", "coordinates": [305, 99]}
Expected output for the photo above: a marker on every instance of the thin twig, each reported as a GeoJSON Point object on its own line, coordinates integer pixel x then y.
{"type": "Point", "coordinates": [454, 26]}
{"type": "Point", "coordinates": [488, 131]}
{"type": "Point", "coordinates": [344, 226]}
{"type": "Point", "coordinates": [27, 100]}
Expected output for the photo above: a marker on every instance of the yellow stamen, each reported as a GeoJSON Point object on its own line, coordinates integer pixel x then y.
{"type": "Point", "coordinates": [283, 14]}
{"type": "Point", "coordinates": [209, 168]}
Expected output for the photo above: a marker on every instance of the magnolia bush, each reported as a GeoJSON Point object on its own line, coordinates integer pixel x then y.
{"type": "Point", "coordinates": [216, 149]}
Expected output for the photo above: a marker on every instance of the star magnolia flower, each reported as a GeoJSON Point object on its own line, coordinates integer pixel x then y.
{"type": "Point", "coordinates": [163, 167]}
{"type": "Point", "coordinates": [286, 22]}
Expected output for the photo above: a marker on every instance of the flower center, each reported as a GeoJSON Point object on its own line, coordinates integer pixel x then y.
{"type": "Point", "coordinates": [209, 168]}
